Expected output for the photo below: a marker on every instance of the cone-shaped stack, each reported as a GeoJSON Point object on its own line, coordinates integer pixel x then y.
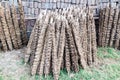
{"type": "Point", "coordinates": [62, 39]}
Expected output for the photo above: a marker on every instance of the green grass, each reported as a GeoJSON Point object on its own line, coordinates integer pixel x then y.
{"type": "Point", "coordinates": [108, 53]}
{"type": "Point", "coordinates": [1, 77]}
{"type": "Point", "coordinates": [21, 62]}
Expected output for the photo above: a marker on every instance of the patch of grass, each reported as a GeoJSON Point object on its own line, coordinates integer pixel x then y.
{"type": "Point", "coordinates": [24, 77]}
{"type": "Point", "coordinates": [21, 62]}
{"type": "Point", "coordinates": [106, 72]}
{"type": "Point", "coordinates": [37, 77]}
{"type": "Point", "coordinates": [1, 77]}
{"type": "Point", "coordinates": [108, 53]}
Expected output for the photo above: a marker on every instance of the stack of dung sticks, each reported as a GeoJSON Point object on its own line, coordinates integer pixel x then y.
{"type": "Point", "coordinates": [109, 27]}
{"type": "Point", "coordinates": [62, 38]}
{"type": "Point", "coordinates": [12, 36]}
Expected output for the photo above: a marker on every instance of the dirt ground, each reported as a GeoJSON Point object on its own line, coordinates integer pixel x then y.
{"type": "Point", "coordinates": [12, 64]}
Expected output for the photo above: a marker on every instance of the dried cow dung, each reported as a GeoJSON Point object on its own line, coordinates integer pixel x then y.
{"type": "Point", "coordinates": [10, 36]}
{"type": "Point", "coordinates": [11, 28]}
{"type": "Point", "coordinates": [5, 28]}
{"type": "Point", "coordinates": [22, 23]}
{"type": "Point", "coordinates": [62, 39]}
{"type": "Point", "coordinates": [2, 38]}
{"type": "Point", "coordinates": [109, 27]}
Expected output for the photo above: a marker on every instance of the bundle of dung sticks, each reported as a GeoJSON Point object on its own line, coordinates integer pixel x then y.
{"type": "Point", "coordinates": [62, 38]}
{"type": "Point", "coordinates": [12, 35]}
{"type": "Point", "coordinates": [109, 27]}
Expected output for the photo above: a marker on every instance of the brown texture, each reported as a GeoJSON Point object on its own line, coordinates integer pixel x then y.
{"type": "Point", "coordinates": [5, 28]}
{"type": "Point", "coordinates": [22, 23]}
{"type": "Point", "coordinates": [16, 25]}
{"type": "Point", "coordinates": [63, 41]}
